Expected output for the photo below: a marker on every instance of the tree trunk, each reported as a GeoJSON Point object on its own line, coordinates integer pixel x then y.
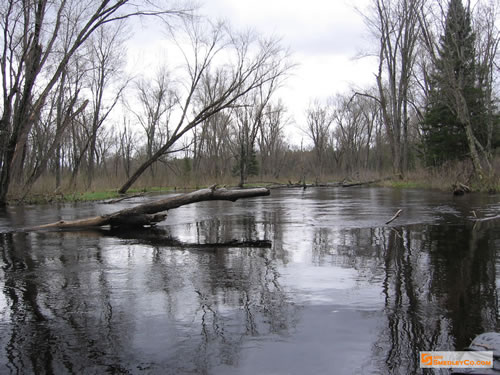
{"type": "Point", "coordinates": [144, 214]}
{"type": "Point", "coordinates": [464, 118]}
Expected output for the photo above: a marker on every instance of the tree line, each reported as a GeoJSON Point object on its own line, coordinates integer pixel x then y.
{"type": "Point", "coordinates": [71, 118]}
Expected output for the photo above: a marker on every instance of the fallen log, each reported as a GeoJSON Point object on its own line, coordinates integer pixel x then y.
{"type": "Point", "coordinates": [361, 183]}
{"type": "Point", "coordinates": [291, 185]}
{"type": "Point", "coordinates": [460, 189]}
{"type": "Point", "coordinates": [147, 213]}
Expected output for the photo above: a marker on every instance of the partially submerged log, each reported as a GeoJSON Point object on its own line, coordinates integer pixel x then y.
{"type": "Point", "coordinates": [147, 213]}
{"type": "Point", "coordinates": [460, 189]}
{"type": "Point", "coordinates": [343, 183]}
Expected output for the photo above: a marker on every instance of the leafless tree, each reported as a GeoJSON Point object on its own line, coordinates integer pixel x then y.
{"type": "Point", "coordinates": [127, 141]}
{"type": "Point", "coordinates": [156, 99]}
{"type": "Point", "coordinates": [106, 58]}
{"type": "Point", "coordinates": [232, 66]}
{"type": "Point", "coordinates": [353, 130]}
{"type": "Point", "coordinates": [319, 120]}
{"type": "Point", "coordinates": [272, 144]}
{"type": "Point", "coordinates": [31, 62]}
{"type": "Point", "coordinates": [248, 123]}
{"type": "Point", "coordinates": [395, 24]}
{"type": "Point", "coordinates": [212, 145]}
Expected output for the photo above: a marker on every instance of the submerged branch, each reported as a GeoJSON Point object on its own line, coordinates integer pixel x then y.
{"type": "Point", "coordinates": [396, 215]}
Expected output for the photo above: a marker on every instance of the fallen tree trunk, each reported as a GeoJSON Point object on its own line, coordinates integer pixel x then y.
{"type": "Point", "coordinates": [326, 184]}
{"type": "Point", "coordinates": [361, 183]}
{"type": "Point", "coordinates": [147, 213]}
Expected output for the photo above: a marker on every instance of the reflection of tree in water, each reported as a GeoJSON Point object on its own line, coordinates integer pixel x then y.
{"type": "Point", "coordinates": [439, 291]}
{"type": "Point", "coordinates": [239, 295]}
{"type": "Point", "coordinates": [77, 304]}
{"type": "Point", "coordinates": [59, 319]}
{"type": "Point", "coordinates": [438, 285]}
{"type": "Point", "coordinates": [249, 284]}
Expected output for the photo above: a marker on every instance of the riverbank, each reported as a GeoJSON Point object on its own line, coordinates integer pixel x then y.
{"type": "Point", "coordinates": [440, 180]}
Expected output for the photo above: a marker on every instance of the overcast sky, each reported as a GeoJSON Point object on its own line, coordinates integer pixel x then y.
{"type": "Point", "coordinates": [324, 36]}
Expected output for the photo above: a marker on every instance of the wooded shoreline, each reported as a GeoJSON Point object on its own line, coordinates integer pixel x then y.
{"type": "Point", "coordinates": [110, 196]}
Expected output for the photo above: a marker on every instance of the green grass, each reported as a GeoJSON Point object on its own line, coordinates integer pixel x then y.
{"type": "Point", "coordinates": [90, 196]}
{"type": "Point", "coordinates": [154, 189]}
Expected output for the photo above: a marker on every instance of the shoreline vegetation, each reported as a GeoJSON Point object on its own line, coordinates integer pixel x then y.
{"type": "Point", "coordinates": [111, 195]}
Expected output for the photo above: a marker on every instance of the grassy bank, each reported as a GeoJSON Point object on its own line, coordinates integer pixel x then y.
{"type": "Point", "coordinates": [442, 179]}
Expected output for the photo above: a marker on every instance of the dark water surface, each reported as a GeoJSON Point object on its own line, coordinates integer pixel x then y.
{"type": "Point", "coordinates": [336, 292]}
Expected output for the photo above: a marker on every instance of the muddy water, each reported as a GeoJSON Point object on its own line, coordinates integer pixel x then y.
{"type": "Point", "coordinates": [331, 290]}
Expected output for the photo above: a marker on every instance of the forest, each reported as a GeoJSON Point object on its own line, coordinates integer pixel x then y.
{"type": "Point", "coordinates": [72, 120]}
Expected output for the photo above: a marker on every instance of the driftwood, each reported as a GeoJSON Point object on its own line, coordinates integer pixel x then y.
{"type": "Point", "coordinates": [460, 189]}
{"type": "Point", "coordinates": [396, 215]}
{"type": "Point", "coordinates": [343, 183]}
{"type": "Point", "coordinates": [147, 213]}
{"type": "Point", "coordinates": [482, 220]}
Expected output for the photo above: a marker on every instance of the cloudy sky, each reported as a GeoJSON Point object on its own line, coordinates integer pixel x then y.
{"type": "Point", "coordinates": [326, 38]}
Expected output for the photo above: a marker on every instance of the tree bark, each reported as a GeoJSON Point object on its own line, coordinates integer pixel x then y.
{"type": "Point", "coordinates": [146, 214]}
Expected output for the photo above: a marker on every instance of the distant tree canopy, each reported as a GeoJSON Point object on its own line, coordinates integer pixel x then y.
{"type": "Point", "coordinates": [444, 135]}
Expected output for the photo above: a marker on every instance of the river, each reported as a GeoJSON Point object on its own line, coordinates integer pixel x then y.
{"type": "Point", "coordinates": [329, 289]}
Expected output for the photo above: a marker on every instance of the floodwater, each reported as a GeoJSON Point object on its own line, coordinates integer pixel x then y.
{"type": "Point", "coordinates": [318, 285]}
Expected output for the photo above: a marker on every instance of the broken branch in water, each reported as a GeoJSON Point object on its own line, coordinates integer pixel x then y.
{"type": "Point", "coordinates": [396, 215]}
{"type": "Point", "coordinates": [146, 214]}
{"type": "Point", "coordinates": [483, 219]}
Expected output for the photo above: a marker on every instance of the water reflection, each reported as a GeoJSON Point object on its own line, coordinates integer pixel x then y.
{"type": "Point", "coordinates": [440, 291]}
{"type": "Point", "coordinates": [300, 292]}
{"type": "Point", "coordinates": [71, 307]}
{"type": "Point", "coordinates": [437, 285]}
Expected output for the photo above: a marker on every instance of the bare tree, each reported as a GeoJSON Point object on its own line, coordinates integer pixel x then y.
{"type": "Point", "coordinates": [30, 34]}
{"type": "Point", "coordinates": [106, 58]}
{"type": "Point", "coordinates": [247, 64]}
{"type": "Point", "coordinates": [353, 129]}
{"type": "Point", "coordinates": [212, 145]}
{"type": "Point", "coordinates": [272, 145]}
{"type": "Point", "coordinates": [248, 122]}
{"type": "Point", "coordinates": [319, 120]}
{"type": "Point", "coordinates": [395, 24]}
{"type": "Point", "coordinates": [156, 98]}
{"type": "Point", "coordinates": [126, 140]}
